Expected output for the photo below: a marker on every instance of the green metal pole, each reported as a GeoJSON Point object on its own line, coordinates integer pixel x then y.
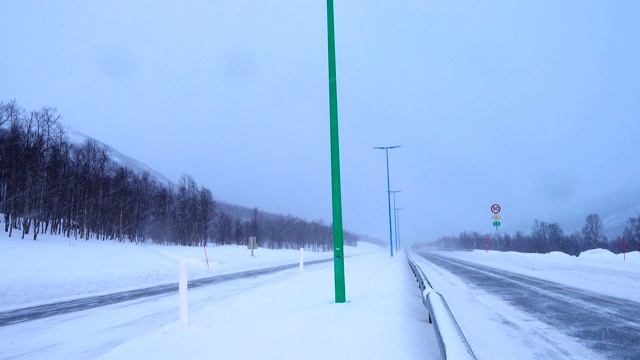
{"type": "Point", "coordinates": [386, 150]}
{"type": "Point", "coordinates": [338, 242]}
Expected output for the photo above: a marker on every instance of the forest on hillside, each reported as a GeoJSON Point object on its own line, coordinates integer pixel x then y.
{"type": "Point", "coordinates": [49, 184]}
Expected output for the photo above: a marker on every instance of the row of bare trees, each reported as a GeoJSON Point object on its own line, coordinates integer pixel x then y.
{"type": "Point", "coordinates": [276, 231]}
{"type": "Point", "coordinates": [49, 184]}
{"type": "Point", "coordinates": [547, 237]}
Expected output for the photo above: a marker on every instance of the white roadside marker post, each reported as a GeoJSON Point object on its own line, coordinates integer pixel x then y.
{"type": "Point", "coordinates": [182, 290]}
{"type": "Point", "coordinates": [301, 260]}
{"type": "Point", "coordinates": [253, 244]}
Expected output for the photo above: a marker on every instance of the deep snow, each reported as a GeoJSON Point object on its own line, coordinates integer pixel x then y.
{"type": "Point", "coordinates": [294, 316]}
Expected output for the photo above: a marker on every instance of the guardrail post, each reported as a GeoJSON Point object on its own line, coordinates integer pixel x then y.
{"type": "Point", "coordinates": [451, 341]}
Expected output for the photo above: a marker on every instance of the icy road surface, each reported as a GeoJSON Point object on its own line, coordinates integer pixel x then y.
{"type": "Point", "coordinates": [608, 325]}
{"type": "Point", "coordinates": [89, 334]}
{"type": "Point", "coordinates": [65, 307]}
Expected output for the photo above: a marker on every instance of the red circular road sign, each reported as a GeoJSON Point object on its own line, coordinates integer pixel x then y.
{"type": "Point", "coordinates": [495, 208]}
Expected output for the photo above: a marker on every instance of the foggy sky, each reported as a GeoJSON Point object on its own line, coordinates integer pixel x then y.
{"type": "Point", "coordinates": [530, 104]}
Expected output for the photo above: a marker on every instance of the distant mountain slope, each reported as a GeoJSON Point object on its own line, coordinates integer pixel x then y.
{"type": "Point", "coordinates": [78, 137]}
{"type": "Point", "coordinates": [234, 211]}
{"type": "Point", "coordinates": [614, 210]}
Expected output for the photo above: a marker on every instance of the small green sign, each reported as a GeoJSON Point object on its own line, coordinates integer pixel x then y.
{"type": "Point", "coordinates": [496, 223]}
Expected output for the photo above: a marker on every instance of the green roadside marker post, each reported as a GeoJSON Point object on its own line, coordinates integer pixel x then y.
{"type": "Point", "coordinates": [338, 250]}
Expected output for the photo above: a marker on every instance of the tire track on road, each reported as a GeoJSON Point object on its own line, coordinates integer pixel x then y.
{"type": "Point", "coordinates": [608, 325]}
{"type": "Point", "coordinates": [64, 307]}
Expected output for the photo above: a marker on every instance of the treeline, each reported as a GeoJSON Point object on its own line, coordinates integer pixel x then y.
{"type": "Point", "coordinates": [289, 232]}
{"type": "Point", "coordinates": [547, 237]}
{"type": "Point", "coordinates": [277, 231]}
{"type": "Point", "coordinates": [50, 184]}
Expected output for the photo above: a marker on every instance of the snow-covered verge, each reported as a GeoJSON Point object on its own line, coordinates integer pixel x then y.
{"type": "Point", "coordinates": [596, 270]}
{"type": "Point", "coordinates": [383, 318]}
{"type": "Point", "coordinates": [55, 268]}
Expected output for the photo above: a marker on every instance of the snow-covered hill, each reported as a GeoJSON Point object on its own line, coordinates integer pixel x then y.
{"type": "Point", "coordinates": [137, 166]}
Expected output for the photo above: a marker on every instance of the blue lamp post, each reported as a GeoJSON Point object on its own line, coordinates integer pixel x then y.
{"type": "Point", "coordinates": [386, 150]}
{"type": "Point", "coordinates": [395, 217]}
{"type": "Point", "coordinates": [398, 247]}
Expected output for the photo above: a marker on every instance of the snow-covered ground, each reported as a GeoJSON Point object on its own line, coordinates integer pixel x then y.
{"type": "Point", "coordinates": [597, 270]}
{"type": "Point", "coordinates": [56, 268]}
{"type": "Point", "coordinates": [293, 315]}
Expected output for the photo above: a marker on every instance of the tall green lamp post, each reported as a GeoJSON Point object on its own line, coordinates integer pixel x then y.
{"type": "Point", "coordinates": [338, 241]}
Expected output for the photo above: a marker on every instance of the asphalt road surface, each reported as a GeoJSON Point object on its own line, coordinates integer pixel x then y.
{"type": "Point", "coordinates": [65, 307]}
{"type": "Point", "coordinates": [608, 325]}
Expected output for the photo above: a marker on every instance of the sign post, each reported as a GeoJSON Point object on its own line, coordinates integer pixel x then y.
{"type": "Point", "coordinates": [495, 209]}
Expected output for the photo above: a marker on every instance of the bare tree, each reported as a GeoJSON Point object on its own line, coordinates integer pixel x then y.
{"type": "Point", "coordinates": [592, 232]}
{"type": "Point", "coordinates": [632, 234]}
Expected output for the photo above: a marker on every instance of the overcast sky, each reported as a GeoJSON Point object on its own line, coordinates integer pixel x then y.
{"type": "Point", "coordinates": [530, 104]}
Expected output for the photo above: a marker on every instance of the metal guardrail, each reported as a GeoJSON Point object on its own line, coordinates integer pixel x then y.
{"type": "Point", "coordinates": [453, 345]}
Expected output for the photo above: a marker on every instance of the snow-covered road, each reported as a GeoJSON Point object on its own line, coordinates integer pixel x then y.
{"type": "Point", "coordinates": [89, 334]}
{"type": "Point", "coordinates": [610, 326]}
{"type": "Point", "coordinates": [86, 303]}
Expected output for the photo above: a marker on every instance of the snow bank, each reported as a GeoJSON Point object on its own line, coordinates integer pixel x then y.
{"type": "Point", "coordinates": [595, 270]}
{"type": "Point", "coordinates": [56, 268]}
{"type": "Point", "coordinates": [493, 328]}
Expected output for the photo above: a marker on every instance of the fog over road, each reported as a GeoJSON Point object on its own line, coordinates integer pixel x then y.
{"type": "Point", "coordinates": [608, 325]}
